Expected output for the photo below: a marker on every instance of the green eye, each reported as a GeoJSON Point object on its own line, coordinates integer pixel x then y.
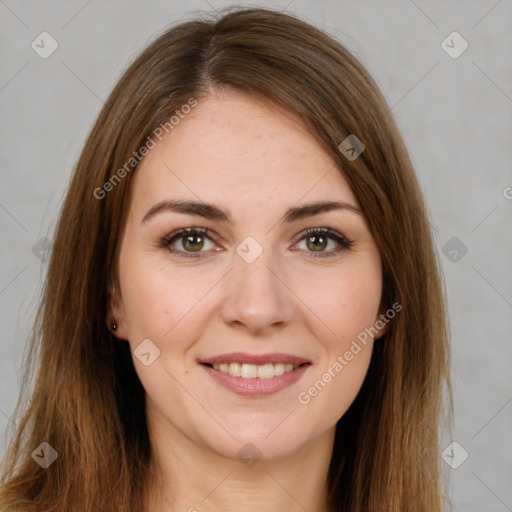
{"type": "Point", "coordinates": [193, 240]}
{"type": "Point", "coordinates": [317, 241]}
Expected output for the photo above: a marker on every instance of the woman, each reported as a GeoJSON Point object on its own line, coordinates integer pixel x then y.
{"type": "Point", "coordinates": [243, 307]}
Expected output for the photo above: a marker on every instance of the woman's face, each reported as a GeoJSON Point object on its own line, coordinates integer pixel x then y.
{"type": "Point", "coordinates": [255, 294]}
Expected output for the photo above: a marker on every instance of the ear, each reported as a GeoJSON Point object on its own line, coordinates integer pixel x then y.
{"type": "Point", "coordinates": [381, 323]}
{"type": "Point", "coordinates": [115, 314]}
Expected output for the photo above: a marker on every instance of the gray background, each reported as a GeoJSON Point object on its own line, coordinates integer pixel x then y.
{"type": "Point", "coordinates": [455, 115]}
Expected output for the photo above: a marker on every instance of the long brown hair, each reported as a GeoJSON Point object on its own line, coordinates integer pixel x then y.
{"type": "Point", "coordinates": [86, 400]}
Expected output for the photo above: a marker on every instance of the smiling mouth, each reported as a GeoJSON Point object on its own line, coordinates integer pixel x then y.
{"type": "Point", "coordinates": [254, 371]}
{"type": "Point", "coordinates": [252, 375]}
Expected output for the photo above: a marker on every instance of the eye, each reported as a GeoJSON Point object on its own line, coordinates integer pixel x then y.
{"type": "Point", "coordinates": [189, 242]}
{"type": "Point", "coordinates": [193, 242]}
{"type": "Point", "coordinates": [317, 240]}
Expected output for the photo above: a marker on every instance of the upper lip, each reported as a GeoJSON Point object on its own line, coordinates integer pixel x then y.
{"type": "Point", "coordinates": [257, 359]}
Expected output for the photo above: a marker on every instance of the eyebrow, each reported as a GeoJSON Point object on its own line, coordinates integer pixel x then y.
{"type": "Point", "coordinates": [212, 212]}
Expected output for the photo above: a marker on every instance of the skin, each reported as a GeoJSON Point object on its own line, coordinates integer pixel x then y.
{"type": "Point", "coordinates": [255, 161]}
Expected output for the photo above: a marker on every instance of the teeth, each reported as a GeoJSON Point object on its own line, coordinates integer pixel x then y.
{"type": "Point", "coordinates": [252, 371]}
{"type": "Point", "coordinates": [235, 369]}
{"type": "Point", "coordinates": [265, 371]}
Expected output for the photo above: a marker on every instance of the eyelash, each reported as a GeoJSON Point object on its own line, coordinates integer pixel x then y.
{"type": "Point", "coordinates": [344, 243]}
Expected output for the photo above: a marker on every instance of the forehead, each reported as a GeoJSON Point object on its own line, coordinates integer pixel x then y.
{"type": "Point", "coordinates": [233, 149]}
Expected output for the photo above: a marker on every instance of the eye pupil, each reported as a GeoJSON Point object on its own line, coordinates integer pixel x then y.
{"type": "Point", "coordinates": [316, 246]}
{"type": "Point", "coordinates": [188, 243]}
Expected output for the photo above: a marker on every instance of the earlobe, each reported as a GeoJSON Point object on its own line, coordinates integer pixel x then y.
{"type": "Point", "coordinates": [381, 324]}
{"type": "Point", "coordinates": [115, 317]}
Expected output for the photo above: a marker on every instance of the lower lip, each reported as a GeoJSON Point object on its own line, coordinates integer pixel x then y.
{"type": "Point", "coordinates": [257, 387]}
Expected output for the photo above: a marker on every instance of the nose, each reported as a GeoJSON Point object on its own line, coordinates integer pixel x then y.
{"type": "Point", "coordinates": [256, 298]}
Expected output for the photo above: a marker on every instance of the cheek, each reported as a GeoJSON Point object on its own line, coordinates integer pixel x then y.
{"type": "Point", "coordinates": [343, 314]}
{"type": "Point", "coordinates": [160, 301]}
{"type": "Point", "coordinates": [333, 388]}
{"type": "Point", "coordinates": [345, 354]}
{"type": "Point", "coordinates": [343, 303]}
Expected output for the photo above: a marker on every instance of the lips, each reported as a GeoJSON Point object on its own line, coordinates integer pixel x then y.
{"type": "Point", "coordinates": [255, 375]}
